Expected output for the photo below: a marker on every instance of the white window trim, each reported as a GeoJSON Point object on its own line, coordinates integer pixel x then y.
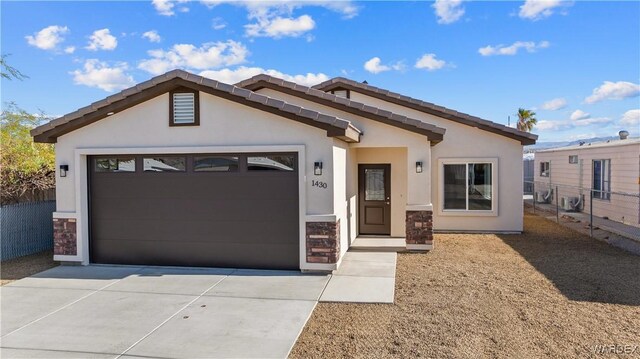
{"type": "Point", "coordinates": [464, 212]}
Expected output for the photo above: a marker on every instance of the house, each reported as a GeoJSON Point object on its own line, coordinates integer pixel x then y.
{"type": "Point", "coordinates": [271, 174]}
{"type": "Point", "coordinates": [610, 168]}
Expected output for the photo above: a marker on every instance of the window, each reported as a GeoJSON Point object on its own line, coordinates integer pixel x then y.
{"type": "Point", "coordinates": [285, 163]}
{"type": "Point", "coordinates": [164, 164]}
{"type": "Point", "coordinates": [602, 179]}
{"type": "Point", "coordinates": [341, 93]}
{"type": "Point", "coordinates": [573, 159]}
{"type": "Point", "coordinates": [374, 184]}
{"type": "Point", "coordinates": [468, 186]}
{"type": "Point", "coordinates": [115, 164]}
{"type": "Point", "coordinates": [545, 169]}
{"type": "Point", "coordinates": [215, 164]}
{"type": "Point", "coordinates": [184, 108]}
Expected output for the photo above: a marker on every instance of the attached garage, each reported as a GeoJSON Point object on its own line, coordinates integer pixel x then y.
{"type": "Point", "coordinates": [214, 210]}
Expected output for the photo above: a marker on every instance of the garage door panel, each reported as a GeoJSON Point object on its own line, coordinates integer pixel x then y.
{"type": "Point", "coordinates": [240, 219]}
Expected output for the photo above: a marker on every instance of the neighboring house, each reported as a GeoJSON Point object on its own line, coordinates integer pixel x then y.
{"type": "Point", "coordinates": [270, 174]}
{"type": "Point", "coordinates": [611, 169]}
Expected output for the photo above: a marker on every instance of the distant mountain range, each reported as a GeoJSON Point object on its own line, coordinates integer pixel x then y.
{"type": "Point", "coordinates": [546, 145]}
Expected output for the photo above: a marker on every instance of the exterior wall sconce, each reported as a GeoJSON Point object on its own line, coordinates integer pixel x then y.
{"type": "Point", "coordinates": [63, 170]}
{"type": "Point", "coordinates": [418, 167]}
{"type": "Point", "coordinates": [317, 168]}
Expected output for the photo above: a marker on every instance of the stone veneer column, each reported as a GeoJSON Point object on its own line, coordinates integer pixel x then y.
{"type": "Point", "coordinates": [64, 236]}
{"type": "Point", "coordinates": [323, 242]}
{"type": "Point", "coordinates": [419, 230]}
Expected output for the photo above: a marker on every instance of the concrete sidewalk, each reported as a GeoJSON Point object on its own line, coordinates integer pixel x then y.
{"type": "Point", "coordinates": [363, 277]}
{"type": "Point", "coordinates": [122, 311]}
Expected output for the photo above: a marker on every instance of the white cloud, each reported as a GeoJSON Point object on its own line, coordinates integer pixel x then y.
{"type": "Point", "coordinates": [555, 104]}
{"type": "Point", "coordinates": [232, 76]}
{"type": "Point", "coordinates": [512, 49]}
{"type": "Point", "coordinates": [102, 40]}
{"type": "Point", "coordinates": [539, 9]}
{"type": "Point", "coordinates": [48, 38]}
{"type": "Point", "coordinates": [448, 11]}
{"type": "Point", "coordinates": [217, 23]}
{"type": "Point", "coordinates": [69, 49]}
{"type": "Point", "coordinates": [275, 7]}
{"type": "Point", "coordinates": [430, 63]}
{"type": "Point", "coordinates": [278, 27]}
{"type": "Point", "coordinates": [208, 56]}
{"type": "Point", "coordinates": [579, 115]}
{"type": "Point", "coordinates": [375, 67]}
{"type": "Point", "coordinates": [613, 91]}
{"type": "Point", "coordinates": [591, 121]}
{"type": "Point", "coordinates": [631, 118]}
{"type": "Point", "coordinates": [166, 7]}
{"type": "Point", "coordinates": [99, 74]}
{"type": "Point", "coordinates": [152, 36]}
{"type": "Point", "coordinates": [555, 125]}
{"type": "Point", "coordinates": [582, 136]}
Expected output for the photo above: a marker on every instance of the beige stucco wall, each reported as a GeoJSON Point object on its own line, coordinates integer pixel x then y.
{"type": "Point", "coordinates": [462, 141]}
{"type": "Point", "coordinates": [223, 125]}
{"type": "Point", "coordinates": [625, 178]}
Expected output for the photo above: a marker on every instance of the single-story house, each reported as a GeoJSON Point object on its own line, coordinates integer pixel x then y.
{"type": "Point", "coordinates": [185, 170]}
{"type": "Point", "coordinates": [611, 169]}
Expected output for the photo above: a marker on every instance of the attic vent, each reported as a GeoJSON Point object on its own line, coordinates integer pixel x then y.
{"type": "Point", "coordinates": [341, 93]}
{"type": "Point", "coordinates": [184, 108]}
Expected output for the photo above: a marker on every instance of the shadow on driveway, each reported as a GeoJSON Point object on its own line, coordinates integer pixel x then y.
{"type": "Point", "coordinates": [583, 269]}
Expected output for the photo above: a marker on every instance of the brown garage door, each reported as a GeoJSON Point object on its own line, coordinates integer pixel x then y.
{"type": "Point", "coordinates": [195, 210]}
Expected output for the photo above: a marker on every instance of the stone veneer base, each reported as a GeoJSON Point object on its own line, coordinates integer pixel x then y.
{"type": "Point", "coordinates": [419, 230]}
{"type": "Point", "coordinates": [323, 242]}
{"type": "Point", "coordinates": [64, 236]}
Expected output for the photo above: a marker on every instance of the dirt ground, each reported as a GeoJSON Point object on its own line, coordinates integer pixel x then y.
{"type": "Point", "coordinates": [19, 268]}
{"type": "Point", "coordinates": [550, 292]}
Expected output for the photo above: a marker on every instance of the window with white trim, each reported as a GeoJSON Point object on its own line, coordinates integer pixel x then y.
{"type": "Point", "coordinates": [602, 179]}
{"type": "Point", "coordinates": [545, 169]}
{"type": "Point", "coordinates": [468, 186]}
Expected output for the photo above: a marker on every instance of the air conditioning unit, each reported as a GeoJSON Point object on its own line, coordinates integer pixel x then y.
{"type": "Point", "coordinates": [567, 203]}
{"type": "Point", "coordinates": [541, 197]}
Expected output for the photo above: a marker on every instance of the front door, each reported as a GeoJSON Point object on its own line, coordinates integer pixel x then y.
{"type": "Point", "coordinates": [374, 193]}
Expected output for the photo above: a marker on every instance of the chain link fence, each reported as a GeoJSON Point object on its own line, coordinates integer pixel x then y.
{"type": "Point", "coordinates": [615, 212]}
{"type": "Point", "coordinates": [26, 228]}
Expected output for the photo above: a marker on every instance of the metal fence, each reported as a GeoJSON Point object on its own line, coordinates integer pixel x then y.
{"type": "Point", "coordinates": [26, 228]}
{"type": "Point", "coordinates": [615, 212]}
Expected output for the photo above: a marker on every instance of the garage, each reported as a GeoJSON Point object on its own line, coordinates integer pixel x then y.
{"type": "Point", "coordinates": [213, 210]}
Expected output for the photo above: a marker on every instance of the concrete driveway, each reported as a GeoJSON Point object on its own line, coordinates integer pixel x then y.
{"type": "Point", "coordinates": [156, 312]}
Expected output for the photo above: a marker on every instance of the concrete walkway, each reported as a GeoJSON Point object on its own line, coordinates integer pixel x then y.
{"type": "Point", "coordinates": [363, 277]}
{"type": "Point", "coordinates": [126, 312]}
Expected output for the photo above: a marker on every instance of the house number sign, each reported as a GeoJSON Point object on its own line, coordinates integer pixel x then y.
{"type": "Point", "coordinates": [319, 184]}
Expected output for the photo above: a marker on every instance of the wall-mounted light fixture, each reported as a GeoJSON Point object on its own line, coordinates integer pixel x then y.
{"type": "Point", "coordinates": [317, 168]}
{"type": "Point", "coordinates": [63, 170]}
{"type": "Point", "coordinates": [418, 167]}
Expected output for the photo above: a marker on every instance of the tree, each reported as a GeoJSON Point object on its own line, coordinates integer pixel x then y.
{"type": "Point", "coordinates": [526, 120]}
{"type": "Point", "coordinates": [9, 72]}
{"type": "Point", "coordinates": [27, 169]}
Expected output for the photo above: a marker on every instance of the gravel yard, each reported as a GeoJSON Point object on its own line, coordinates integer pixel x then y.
{"type": "Point", "coordinates": [550, 292]}
{"type": "Point", "coordinates": [22, 267]}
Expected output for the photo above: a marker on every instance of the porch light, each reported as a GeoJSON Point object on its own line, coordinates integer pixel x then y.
{"type": "Point", "coordinates": [317, 168]}
{"type": "Point", "coordinates": [418, 167]}
{"type": "Point", "coordinates": [63, 170]}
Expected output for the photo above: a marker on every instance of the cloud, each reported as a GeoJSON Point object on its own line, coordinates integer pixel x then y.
{"type": "Point", "coordinates": [430, 63]}
{"type": "Point", "coordinates": [69, 49]}
{"type": "Point", "coordinates": [579, 115]}
{"type": "Point", "coordinates": [539, 9]}
{"type": "Point", "coordinates": [448, 11]}
{"type": "Point", "coordinates": [613, 91]}
{"type": "Point", "coordinates": [217, 23]}
{"type": "Point", "coordinates": [209, 55]}
{"type": "Point", "coordinates": [555, 104]}
{"type": "Point", "coordinates": [48, 38]}
{"type": "Point", "coordinates": [152, 36]}
{"type": "Point", "coordinates": [375, 66]}
{"type": "Point", "coordinates": [513, 49]}
{"type": "Point", "coordinates": [238, 74]}
{"type": "Point", "coordinates": [166, 7]}
{"type": "Point", "coordinates": [102, 40]}
{"type": "Point", "coordinates": [631, 118]}
{"type": "Point", "coordinates": [555, 125]}
{"type": "Point", "coordinates": [99, 74]}
{"type": "Point", "coordinates": [279, 27]}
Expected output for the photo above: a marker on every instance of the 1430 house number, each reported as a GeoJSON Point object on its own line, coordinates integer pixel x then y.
{"type": "Point", "coordinates": [319, 184]}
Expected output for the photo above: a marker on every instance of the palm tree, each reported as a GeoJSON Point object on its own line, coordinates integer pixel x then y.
{"type": "Point", "coordinates": [526, 120]}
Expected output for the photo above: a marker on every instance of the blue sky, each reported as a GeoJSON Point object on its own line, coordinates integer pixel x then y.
{"type": "Point", "coordinates": [577, 64]}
